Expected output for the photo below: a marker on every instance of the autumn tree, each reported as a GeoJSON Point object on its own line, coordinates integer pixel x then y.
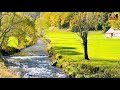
{"type": "Point", "coordinates": [103, 21]}
{"type": "Point", "coordinates": [18, 25]}
{"type": "Point", "coordinates": [42, 23]}
{"type": "Point", "coordinates": [84, 26]}
{"type": "Point", "coordinates": [58, 19]}
{"type": "Point", "coordinates": [24, 29]}
{"type": "Point", "coordinates": [115, 23]}
{"type": "Point", "coordinates": [6, 25]}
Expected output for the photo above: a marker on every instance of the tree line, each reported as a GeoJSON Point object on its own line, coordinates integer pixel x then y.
{"type": "Point", "coordinates": [97, 20]}
{"type": "Point", "coordinates": [81, 22]}
{"type": "Point", "coordinates": [19, 25]}
{"type": "Point", "coordinates": [27, 26]}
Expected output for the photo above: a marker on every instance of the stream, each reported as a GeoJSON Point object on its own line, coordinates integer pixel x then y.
{"type": "Point", "coordinates": [33, 62]}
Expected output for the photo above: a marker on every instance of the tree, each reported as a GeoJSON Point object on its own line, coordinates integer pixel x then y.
{"type": "Point", "coordinates": [84, 26]}
{"type": "Point", "coordinates": [18, 25]}
{"type": "Point", "coordinates": [83, 22]}
{"type": "Point", "coordinates": [65, 19]}
{"type": "Point", "coordinates": [103, 21]}
{"type": "Point", "coordinates": [41, 24]}
{"type": "Point", "coordinates": [115, 23]}
{"type": "Point", "coordinates": [24, 29]}
{"type": "Point", "coordinates": [6, 24]}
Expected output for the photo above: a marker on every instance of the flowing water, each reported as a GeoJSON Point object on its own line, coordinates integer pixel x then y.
{"type": "Point", "coordinates": [33, 62]}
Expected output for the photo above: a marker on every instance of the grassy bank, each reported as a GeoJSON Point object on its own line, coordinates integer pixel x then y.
{"type": "Point", "coordinates": [103, 53]}
{"type": "Point", "coordinates": [6, 72]}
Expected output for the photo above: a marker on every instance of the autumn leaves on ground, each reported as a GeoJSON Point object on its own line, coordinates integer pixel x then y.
{"type": "Point", "coordinates": [64, 34]}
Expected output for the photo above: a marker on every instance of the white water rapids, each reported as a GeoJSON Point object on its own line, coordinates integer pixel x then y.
{"type": "Point", "coordinates": [36, 64]}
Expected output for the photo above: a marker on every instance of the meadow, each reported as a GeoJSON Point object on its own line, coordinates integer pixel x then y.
{"type": "Point", "coordinates": [104, 53]}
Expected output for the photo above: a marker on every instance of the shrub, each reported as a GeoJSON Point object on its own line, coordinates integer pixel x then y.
{"type": "Point", "coordinates": [50, 51]}
{"type": "Point", "coordinates": [109, 73]}
{"type": "Point", "coordinates": [89, 71]}
{"type": "Point", "coordinates": [58, 56]}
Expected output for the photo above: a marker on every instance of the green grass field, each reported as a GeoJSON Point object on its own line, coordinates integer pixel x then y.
{"type": "Point", "coordinates": [103, 52]}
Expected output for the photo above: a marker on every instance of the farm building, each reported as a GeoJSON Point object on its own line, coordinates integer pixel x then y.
{"type": "Point", "coordinates": [111, 33]}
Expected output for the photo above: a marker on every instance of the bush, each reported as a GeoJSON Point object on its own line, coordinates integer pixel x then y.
{"type": "Point", "coordinates": [89, 71]}
{"type": "Point", "coordinates": [50, 51]}
{"type": "Point", "coordinates": [91, 68]}
{"type": "Point", "coordinates": [58, 56]}
{"type": "Point", "coordinates": [109, 73]}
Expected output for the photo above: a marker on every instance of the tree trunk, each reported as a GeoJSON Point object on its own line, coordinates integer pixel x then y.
{"type": "Point", "coordinates": [18, 42]}
{"type": "Point", "coordinates": [0, 52]}
{"type": "Point", "coordinates": [0, 49]}
{"type": "Point", "coordinates": [85, 45]}
{"type": "Point", "coordinates": [0, 30]}
{"type": "Point", "coordinates": [96, 27]}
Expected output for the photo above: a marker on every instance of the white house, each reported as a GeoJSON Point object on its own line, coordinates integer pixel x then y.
{"type": "Point", "coordinates": [111, 33]}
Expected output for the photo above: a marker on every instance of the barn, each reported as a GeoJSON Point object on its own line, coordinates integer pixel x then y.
{"type": "Point", "coordinates": [111, 33]}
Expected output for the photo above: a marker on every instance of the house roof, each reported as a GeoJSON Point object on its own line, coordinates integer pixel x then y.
{"type": "Point", "coordinates": [111, 30]}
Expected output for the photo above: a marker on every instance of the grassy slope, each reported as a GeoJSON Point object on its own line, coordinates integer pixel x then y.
{"type": "Point", "coordinates": [102, 51]}
{"type": "Point", "coordinates": [7, 73]}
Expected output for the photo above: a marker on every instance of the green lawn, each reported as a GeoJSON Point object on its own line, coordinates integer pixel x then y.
{"type": "Point", "coordinates": [13, 42]}
{"type": "Point", "coordinates": [103, 52]}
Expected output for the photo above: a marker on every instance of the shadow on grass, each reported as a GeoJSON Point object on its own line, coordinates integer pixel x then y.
{"type": "Point", "coordinates": [67, 50]}
{"type": "Point", "coordinates": [63, 48]}
{"type": "Point", "coordinates": [70, 53]}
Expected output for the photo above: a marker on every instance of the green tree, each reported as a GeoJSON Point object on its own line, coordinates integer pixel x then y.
{"type": "Point", "coordinates": [19, 25]}
{"type": "Point", "coordinates": [24, 29]}
{"type": "Point", "coordinates": [84, 26]}
{"type": "Point", "coordinates": [81, 23]}
{"type": "Point", "coordinates": [103, 21]}
{"type": "Point", "coordinates": [41, 24]}
{"type": "Point", "coordinates": [6, 25]}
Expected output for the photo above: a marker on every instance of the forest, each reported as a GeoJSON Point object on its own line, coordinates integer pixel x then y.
{"type": "Point", "coordinates": [76, 41]}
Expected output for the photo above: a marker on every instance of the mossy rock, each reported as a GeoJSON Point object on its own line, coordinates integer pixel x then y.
{"type": "Point", "coordinates": [54, 63]}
